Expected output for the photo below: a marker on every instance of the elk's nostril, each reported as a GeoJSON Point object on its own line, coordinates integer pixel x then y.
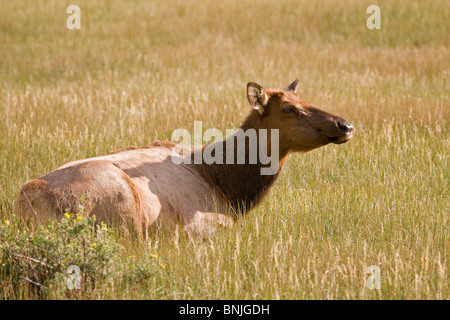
{"type": "Point", "coordinates": [345, 126]}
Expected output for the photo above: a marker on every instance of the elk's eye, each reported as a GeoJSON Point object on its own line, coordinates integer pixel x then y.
{"type": "Point", "coordinates": [289, 110]}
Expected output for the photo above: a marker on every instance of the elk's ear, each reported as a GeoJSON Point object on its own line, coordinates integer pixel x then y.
{"type": "Point", "coordinates": [256, 96]}
{"type": "Point", "coordinates": [292, 86]}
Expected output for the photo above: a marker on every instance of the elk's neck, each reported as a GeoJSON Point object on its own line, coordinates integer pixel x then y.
{"type": "Point", "coordinates": [243, 185]}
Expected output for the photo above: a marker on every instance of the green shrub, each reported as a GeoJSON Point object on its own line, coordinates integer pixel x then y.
{"type": "Point", "coordinates": [36, 260]}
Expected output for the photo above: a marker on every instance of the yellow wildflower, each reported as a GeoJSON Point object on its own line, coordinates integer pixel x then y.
{"type": "Point", "coordinates": [7, 222]}
{"type": "Point", "coordinates": [154, 255]}
{"type": "Point", "coordinates": [67, 215]}
{"type": "Point", "coordinates": [93, 245]}
{"type": "Point", "coordinates": [79, 217]}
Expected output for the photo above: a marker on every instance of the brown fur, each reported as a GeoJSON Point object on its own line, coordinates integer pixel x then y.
{"type": "Point", "coordinates": [134, 190]}
{"type": "Point", "coordinates": [36, 200]}
{"type": "Point", "coordinates": [143, 186]}
{"type": "Point", "coordinates": [242, 184]}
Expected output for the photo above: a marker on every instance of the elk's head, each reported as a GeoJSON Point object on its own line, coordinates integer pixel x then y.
{"type": "Point", "coordinates": [302, 127]}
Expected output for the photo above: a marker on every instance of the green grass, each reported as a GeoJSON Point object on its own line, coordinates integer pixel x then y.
{"type": "Point", "coordinates": [138, 70]}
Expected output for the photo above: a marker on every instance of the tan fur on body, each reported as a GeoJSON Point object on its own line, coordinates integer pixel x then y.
{"type": "Point", "coordinates": [144, 187]}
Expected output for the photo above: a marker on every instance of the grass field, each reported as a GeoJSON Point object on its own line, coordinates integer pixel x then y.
{"type": "Point", "coordinates": [138, 70]}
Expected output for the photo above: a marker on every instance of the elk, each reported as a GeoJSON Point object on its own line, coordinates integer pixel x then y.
{"type": "Point", "coordinates": [144, 187]}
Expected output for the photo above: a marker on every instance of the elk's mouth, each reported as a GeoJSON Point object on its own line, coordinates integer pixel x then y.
{"type": "Point", "coordinates": [333, 139]}
{"type": "Point", "coordinates": [341, 139]}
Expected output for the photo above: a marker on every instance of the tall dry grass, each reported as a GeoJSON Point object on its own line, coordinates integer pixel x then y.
{"type": "Point", "coordinates": [138, 70]}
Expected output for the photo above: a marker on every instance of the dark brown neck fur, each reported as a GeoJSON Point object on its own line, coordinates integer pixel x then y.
{"type": "Point", "coordinates": [242, 184]}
